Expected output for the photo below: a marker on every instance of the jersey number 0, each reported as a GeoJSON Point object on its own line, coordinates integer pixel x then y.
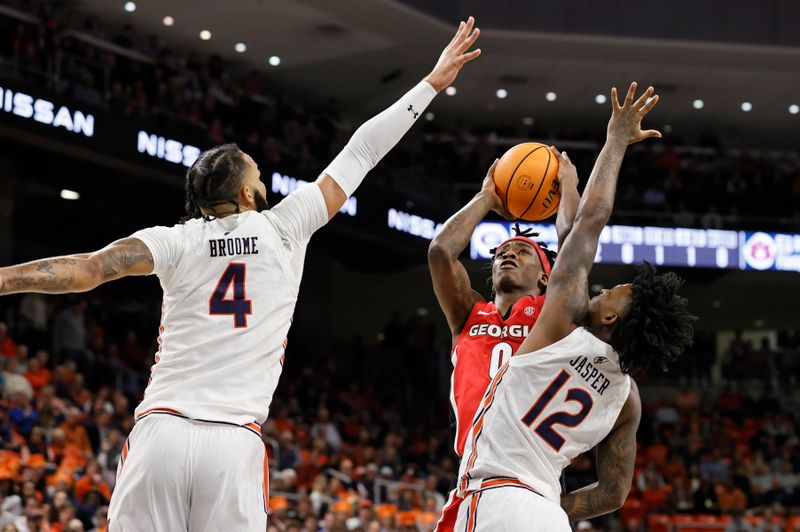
{"type": "Point", "coordinates": [240, 307]}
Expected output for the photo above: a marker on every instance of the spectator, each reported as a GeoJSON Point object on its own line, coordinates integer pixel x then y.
{"type": "Point", "coordinates": [7, 346]}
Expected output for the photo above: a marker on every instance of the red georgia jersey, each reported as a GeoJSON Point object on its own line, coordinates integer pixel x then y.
{"type": "Point", "coordinates": [486, 342]}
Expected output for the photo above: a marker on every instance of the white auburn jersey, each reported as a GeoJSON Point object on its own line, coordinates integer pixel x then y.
{"type": "Point", "coordinates": [541, 410]}
{"type": "Point", "coordinates": [230, 287]}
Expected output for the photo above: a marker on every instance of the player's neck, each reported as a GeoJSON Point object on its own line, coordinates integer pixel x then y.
{"type": "Point", "coordinates": [506, 300]}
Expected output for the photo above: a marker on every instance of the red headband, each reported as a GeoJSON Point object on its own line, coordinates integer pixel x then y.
{"type": "Point", "coordinates": [539, 251]}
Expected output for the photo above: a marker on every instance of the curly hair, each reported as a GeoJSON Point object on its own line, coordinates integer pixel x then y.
{"type": "Point", "coordinates": [213, 180]}
{"type": "Point", "coordinates": [657, 326]}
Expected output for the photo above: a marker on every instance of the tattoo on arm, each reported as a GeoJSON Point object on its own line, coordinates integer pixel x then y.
{"type": "Point", "coordinates": [78, 273]}
{"type": "Point", "coordinates": [122, 255]}
{"type": "Point", "coordinates": [616, 457]}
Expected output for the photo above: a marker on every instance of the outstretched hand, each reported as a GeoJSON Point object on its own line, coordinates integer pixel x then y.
{"type": "Point", "coordinates": [626, 119]}
{"type": "Point", "coordinates": [455, 55]}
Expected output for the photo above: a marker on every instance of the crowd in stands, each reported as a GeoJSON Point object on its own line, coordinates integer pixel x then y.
{"type": "Point", "coordinates": [358, 435]}
{"type": "Point", "coordinates": [704, 185]}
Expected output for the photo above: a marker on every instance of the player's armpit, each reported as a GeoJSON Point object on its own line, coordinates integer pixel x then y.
{"type": "Point", "coordinates": [615, 457]}
{"type": "Point", "coordinates": [78, 273]}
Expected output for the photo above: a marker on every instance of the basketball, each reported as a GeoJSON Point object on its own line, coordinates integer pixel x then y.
{"type": "Point", "coordinates": [525, 180]}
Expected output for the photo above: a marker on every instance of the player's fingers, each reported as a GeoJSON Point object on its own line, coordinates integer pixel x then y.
{"type": "Point", "coordinates": [631, 93]}
{"type": "Point", "coordinates": [643, 98]}
{"type": "Point", "coordinates": [458, 33]}
{"type": "Point", "coordinates": [614, 99]}
{"type": "Point", "coordinates": [469, 56]}
{"type": "Point", "coordinates": [649, 105]}
{"type": "Point", "coordinates": [490, 172]}
{"type": "Point", "coordinates": [651, 133]}
{"type": "Point", "coordinates": [565, 157]}
{"type": "Point", "coordinates": [469, 41]}
{"type": "Point", "coordinates": [463, 31]}
{"type": "Point", "coordinates": [469, 25]}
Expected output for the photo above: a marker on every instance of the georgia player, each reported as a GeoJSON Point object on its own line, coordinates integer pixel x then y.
{"type": "Point", "coordinates": [231, 275]}
{"type": "Point", "coordinates": [568, 388]}
{"type": "Point", "coordinates": [487, 333]}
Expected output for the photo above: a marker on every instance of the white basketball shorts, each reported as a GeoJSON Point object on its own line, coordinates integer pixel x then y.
{"type": "Point", "coordinates": [177, 474]}
{"type": "Point", "coordinates": [512, 509]}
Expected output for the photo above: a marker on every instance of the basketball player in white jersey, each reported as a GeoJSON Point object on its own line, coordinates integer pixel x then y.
{"type": "Point", "coordinates": [567, 388]}
{"type": "Point", "coordinates": [231, 275]}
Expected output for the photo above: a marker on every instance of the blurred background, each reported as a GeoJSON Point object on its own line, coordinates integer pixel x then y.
{"type": "Point", "coordinates": [104, 104]}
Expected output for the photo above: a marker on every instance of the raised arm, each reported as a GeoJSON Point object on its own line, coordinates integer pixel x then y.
{"type": "Point", "coordinates": [567, 291]}
{"type": "Point", "coordinates": [615, 457]}
{"type": "Point", "coordinates": [373, 140]}
{"type": "Point", "coordinates": [568, 207]}
{"type": "Point", "coordinates": [78, 273]}
{"type": "Point", "coordinates": [450, 279]}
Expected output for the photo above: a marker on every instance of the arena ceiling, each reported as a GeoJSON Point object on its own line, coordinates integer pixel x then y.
{"type": "Point", "coordinates": [366, 52]}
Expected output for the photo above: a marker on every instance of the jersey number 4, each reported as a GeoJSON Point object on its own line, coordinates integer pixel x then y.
{"type": "Point", "coordinates": [239, 306]}
{"type": "Point", "coordinates": [545, 429]}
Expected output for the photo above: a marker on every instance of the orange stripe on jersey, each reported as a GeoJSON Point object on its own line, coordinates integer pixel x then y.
{"type": "Point", "coordinates": [254, 427]}
{"type": "Point", "coordinates": [160, 411]}
{"type": "Point", "coordinates": [477, 425]}
{"type": "Point", "coordinates": [472, 518]}
{"type": "Point", "coordinates": [266, 482]}
{"type": "Point", "coordinates": [497, 482]}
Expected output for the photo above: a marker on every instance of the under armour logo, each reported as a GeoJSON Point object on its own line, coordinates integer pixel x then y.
{"type": "Point", "coordinates": [412, 111]}
{"type": "Point", "coordinates": [599, 360]}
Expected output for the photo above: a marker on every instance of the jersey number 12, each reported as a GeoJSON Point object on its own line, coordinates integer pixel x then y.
{"type": "Point", "coordinates": [240, 307]}
{"type": "Point", "coordinates": [545, 429]}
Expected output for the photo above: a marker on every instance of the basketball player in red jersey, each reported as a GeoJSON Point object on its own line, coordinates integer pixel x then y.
{"type": "Point", "coordinates": [487, 333]}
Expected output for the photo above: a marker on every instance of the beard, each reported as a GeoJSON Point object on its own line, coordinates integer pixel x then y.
{"type": "Point", "coordinates": [261, 202]}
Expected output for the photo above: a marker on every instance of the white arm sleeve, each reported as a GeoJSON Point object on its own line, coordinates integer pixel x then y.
{"type": "Point", "coordinates": [301, 213]}
{"type": "Point", "coordinates": [164, 243]}
{"type": "Point", "coordinates": [373, 140]}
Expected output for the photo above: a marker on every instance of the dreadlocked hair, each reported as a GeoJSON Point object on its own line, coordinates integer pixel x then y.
{"type": "Point", "coordinates": [214, 179]}
{"type": "Point", "coordinates": [527, 233]}
{"type": "Point", "coordinates": [657, 326]}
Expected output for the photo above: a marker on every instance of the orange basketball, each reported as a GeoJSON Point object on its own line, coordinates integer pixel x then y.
{"type": "Point", "coordinates": [525, 179]}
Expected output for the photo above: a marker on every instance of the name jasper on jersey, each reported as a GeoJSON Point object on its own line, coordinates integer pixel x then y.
{"type": "Point", "coordinates": [593, 376]}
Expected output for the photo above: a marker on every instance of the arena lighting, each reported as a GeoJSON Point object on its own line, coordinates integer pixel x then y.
{"type": "Point", "coordinates": [46, 112]}
{"type": "Point", "coordinates": [666, 246]}
{"type": "Point", "coordinates": [698, 104]}
{"type": "Point", "coordinates": [550, 96]}
{"type": "Point", "coordinates": [429, 116]}
{"type": "Point", "coordinates": [412, 224]}
{"type": "Point", "coordinates": [240, 47]}
{"type": "Point", "coordinates": [168, 21]}
{"type": "Point", "coordinates": [527, 121]}
{"type": "Point", "coordinates": [130, 7]}
{"type": "Point", "coordinates": [285, 185]}
{"type": "Point", "coordinates": [747, 107]}
{"type": "Point", "coordinates": [274, 60]}
{"type": "Point", "coordinates": [70, 195]}
{"type": "Point", "coordinates": [450, 91]}
{"type": "Point", "coordinates": [600, 98]}
{"type": "Point", "coordinates": [167, 149]}
{"type": "Point", "coordinates": [205, 35]}
{"type": "Point", "coordinates": [501, 93]}
{"type": "Point", "coordinates": [794, 109]}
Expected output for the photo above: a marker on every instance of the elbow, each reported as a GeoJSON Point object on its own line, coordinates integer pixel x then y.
{"type": "Point", "coordinates": [438, 252]}
{"type": "Point", "coordinates": [618, 499]}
